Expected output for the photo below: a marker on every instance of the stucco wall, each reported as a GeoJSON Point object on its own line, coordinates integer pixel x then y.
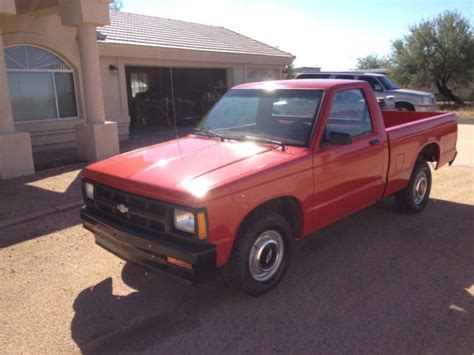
{"type": "Point", "coordinates": [114, 88]}
{"type": "Point", "coordinates": [45, 30]}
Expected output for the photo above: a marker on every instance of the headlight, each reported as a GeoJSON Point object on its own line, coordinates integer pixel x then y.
{"type": "Point", "coordinates": [89, 190]}
{"type": "Point", "coordinates": [428, 100]}
{"type": "Point", "coordinates": [184, 221]}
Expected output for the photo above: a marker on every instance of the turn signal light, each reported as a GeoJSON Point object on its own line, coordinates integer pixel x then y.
{"type": "Point", "coordinates": [179, 263]}
{"type": "Point", "coordinates": [202, 226]}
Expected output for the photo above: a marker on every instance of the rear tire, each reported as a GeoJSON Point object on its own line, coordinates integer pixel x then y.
{"type": "Point", "coordinates": [414, 198]}
{"type": "Point", "coordinates": [261, 255]}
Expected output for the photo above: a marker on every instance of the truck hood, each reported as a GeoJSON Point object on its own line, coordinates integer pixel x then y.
{"type": "Point", "coordinates": [182, 169]}
{"type": "Point", "coordinates": [408, 92]}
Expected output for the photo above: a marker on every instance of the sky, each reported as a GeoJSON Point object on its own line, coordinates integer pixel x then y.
{"type": "Point", "coordinates": [330, 34]}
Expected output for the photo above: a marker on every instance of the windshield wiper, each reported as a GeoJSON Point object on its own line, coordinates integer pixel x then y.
{"type": "Point", "coordinates": [265, 140]}
{"type": "Point", "coordinates": [209, 133]}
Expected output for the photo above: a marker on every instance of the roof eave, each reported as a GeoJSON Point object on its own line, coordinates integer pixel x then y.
{"type": "Point", "coordinates": [146, 51]}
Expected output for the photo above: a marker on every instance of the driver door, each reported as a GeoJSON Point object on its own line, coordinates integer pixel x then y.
{"type": "Point", "coordinates": [347, 177]}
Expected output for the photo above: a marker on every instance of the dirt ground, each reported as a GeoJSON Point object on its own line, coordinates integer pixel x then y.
{"type": "Point", "coordinates": [376, 282]}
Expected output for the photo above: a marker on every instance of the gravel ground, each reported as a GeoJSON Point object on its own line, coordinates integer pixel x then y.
{"type": "Point", "coordinates": [465, 145]}
{"type": "Point", "coordinates": [43, 190]}
{"type": "Point", "coordinates": [376, 282]}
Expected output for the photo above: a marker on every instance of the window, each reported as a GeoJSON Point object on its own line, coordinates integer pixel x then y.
{"type": "Point", "coordinates": [349, 114]}
{"type": "Point", "coordinates": [41, 85]}
{"type": "Point", "coordinates": [235, 111]}
{"type": "Point", "coordinates": [388, 83]}
{"type": "Point", "coordinates": [345, 77]}
{"type": "Point", "coordinates": [285, 115]}
{"type": "Point", "coordinates": [139, 82]}
{"type": "Point", "coordinates": [313, 76]}
{"type": "Point", "coordinates": [374, 83]}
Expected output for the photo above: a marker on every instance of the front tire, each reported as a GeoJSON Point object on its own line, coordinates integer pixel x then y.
{"type": "Point", "coordinates": [414, 198]}
{"type": "Point", "coordinates": [261, 255]}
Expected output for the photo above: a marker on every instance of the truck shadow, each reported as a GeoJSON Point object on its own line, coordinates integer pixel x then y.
{"type": "Point", "coordinates": [374, 282]}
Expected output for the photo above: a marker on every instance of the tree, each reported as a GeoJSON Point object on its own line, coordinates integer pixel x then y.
{"type": "Point", "coordinates": [372, 61]}
{"type": "Point", "coordinates": [289, 71]}
{"type": "Point", "coordinates": [116, 4]}
{"type": "Point", "coordinates": [438, 51]}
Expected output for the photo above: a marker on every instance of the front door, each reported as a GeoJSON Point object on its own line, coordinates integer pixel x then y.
{"type": "Point", "coordinates": [351, 176]}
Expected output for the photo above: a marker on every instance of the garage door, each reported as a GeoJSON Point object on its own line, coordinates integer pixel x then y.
{"type": "Point", "coordinates": [150, 95]}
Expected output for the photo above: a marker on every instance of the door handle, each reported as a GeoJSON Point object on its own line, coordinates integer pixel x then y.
{"type": "Point", "coordinates": [375, 142]}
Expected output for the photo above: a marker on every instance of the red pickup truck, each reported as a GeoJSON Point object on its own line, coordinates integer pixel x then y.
{"type": "Point", "coordinates": [270, 163]}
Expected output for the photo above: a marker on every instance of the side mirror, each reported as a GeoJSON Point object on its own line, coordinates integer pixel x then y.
{"type": "Point", "coordinates": [377, 87]}
{"type": "Point", "coordinates": [338, 138]}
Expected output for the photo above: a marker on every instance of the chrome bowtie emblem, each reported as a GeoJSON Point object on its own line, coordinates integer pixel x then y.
{"type": "Point", "coordinates": [269, 256]}
{"type": "Point", "coordinates": [122, 208]}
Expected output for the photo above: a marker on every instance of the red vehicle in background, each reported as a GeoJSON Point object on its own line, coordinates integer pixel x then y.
{"type": "Point", "coordinates": [271, 163]}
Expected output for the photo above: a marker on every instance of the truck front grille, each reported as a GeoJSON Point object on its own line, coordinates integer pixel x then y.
{"type": "Point", "coordinates": [142, 213]}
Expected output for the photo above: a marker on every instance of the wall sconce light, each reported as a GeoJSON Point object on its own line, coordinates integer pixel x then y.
{"type": "Point", "coordinates": [113, 69]}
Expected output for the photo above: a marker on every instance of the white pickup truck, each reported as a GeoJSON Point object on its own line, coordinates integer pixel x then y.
{"type": "Point", "coordinates": [405, 100]}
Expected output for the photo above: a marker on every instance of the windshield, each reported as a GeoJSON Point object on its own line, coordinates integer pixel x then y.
{"type": "Point", "coordinates": [388, 83]}
{"type": "Point", "coordinates": [286, 115]}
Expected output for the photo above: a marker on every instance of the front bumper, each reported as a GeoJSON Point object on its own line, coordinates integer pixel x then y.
{"type": "Point", "coordinates": [426, 108]}
{"type": "Point", "coordinates": [151, 252]}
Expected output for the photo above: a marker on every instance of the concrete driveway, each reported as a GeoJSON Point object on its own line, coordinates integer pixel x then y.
{"type": "Point", "coordinates": [465, 144]}
{"type": "Point", "coordinates": [375, 282]}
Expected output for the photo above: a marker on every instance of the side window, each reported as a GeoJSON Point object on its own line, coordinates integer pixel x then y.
{"type": "Point", "coordinates": [313, 76]}
{"type": "Point", "coordinates": [349, 114]}
{"type": "Point", "coordinates": [346, 77]}
{"type": "Point", "coordinates": [374, 83]}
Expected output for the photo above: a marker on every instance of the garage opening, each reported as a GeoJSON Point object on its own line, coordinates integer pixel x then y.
{"type": "Point", "coordinates": [150, 99]}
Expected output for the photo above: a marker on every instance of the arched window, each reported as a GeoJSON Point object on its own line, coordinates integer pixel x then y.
{"type": "Point", "coordinates": [41, 85]}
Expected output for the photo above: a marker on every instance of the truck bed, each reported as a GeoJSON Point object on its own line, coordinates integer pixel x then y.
{"type": "Point", "coordinates": [397, 118]}
{"type": "Point", "coordinates": [408, 133]}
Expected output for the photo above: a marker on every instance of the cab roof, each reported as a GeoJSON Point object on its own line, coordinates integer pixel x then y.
{"type": "Point", "coordinates": [321, 84]}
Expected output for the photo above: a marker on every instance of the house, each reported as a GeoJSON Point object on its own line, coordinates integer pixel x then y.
{"type": "Point", "coordinates": [74, 73]}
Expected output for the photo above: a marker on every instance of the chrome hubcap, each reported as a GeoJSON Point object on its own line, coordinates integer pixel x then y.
{"type": "Point", "coordinates": [421, 185]}
{"type": "Point", "coordinates": [266, 255]}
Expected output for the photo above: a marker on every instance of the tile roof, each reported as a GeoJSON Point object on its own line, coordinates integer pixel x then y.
{"type": "Point", "coordinates": [153, 31]}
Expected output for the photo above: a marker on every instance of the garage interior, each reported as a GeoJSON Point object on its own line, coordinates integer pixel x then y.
{"type": "Point", "coordinates": [150, 96]}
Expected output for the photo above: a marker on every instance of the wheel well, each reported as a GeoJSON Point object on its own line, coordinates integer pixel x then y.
{"type": "Point", "coordinates": [286, 206]}
{"type": "Point", "coordinates": [429, 153]}
{"type": "Point", "coordinates": [408, 105]}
